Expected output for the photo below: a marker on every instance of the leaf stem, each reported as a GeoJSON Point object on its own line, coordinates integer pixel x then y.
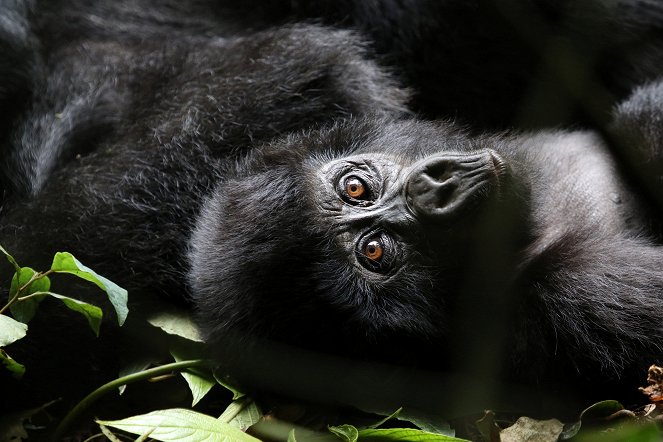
{"type": "Point", "coordinates": [33, 295]}
{"type": "Point", "coordinates": [35, 277]}
{"type": "Point", "coordinates": [75, 412]}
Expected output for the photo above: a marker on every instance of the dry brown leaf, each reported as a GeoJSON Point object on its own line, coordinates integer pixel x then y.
{"type": "Point", "coordinates": [655, 381]}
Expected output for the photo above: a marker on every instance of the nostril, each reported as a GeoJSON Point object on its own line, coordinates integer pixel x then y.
{"type": "Point", "coordinates": [427, 194]}
{"type": "Point", "coordinates": [438, 172]}
{"type": "Point", "coordinates": [436, 184]}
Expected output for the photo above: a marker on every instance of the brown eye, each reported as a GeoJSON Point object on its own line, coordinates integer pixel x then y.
{"type": "Point", "coordinates": [377, 252]}
{"type": "Point", "coordinates": [374, 249]}
{"type": "Point", "coordinates": [355, 188]}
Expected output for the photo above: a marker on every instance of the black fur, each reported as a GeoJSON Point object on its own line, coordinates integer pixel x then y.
{"type": "Point", "coordinates": [559, 276]}
{"type": "Point", "coordinates": [484, 62]}
{"type": "Point", "coordinates": [122, 138]}
{"type": "Point", "coordinates": [497, 63]}
{"type": "Point", "coordinates": [143, 143]}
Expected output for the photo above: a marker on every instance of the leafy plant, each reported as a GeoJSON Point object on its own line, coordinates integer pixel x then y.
{"type": "Point", "coordinates": [29, 287]}
{"type": "Point", "coordinates": [243, 419]}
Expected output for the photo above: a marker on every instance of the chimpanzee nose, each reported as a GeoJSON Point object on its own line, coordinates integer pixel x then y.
{"type": "Point", "coordinates": [442, 186]}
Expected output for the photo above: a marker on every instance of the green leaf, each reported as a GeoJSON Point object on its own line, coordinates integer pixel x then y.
{"type": "Point", "coordinates": [10, 259]}
{"type": "Point", "coordinates": [24, 310]}
{"type": "Point", "coordinates": [241, 413]}
{"type": "Point", "coordinates": [601, 410]}
{"type": "Point", "coordinates": [10, 364]}
{"type": "Point", "coordinates": [181, 425]}
{"type": "Point", "coordinates": [291, 436]}
{"type": "Point", "coordinates": [64, 262]}
{"type": "Point", "coordinates": [200, 383]}
{"type": "Point", "coordinates": [11, 330]}
{"type": "Point", "coordinates": [92, 313]}
{"type": "Point", "coordinates": [347, 433]}
{"type": "Point", "coordinates": [24, 276]}
{"type": "Point", "coordinates": [597, 411]}
{"type": "Point", "coordinates": [176, 323]}
{"type": "Point", "coordinates": [404, 435]}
